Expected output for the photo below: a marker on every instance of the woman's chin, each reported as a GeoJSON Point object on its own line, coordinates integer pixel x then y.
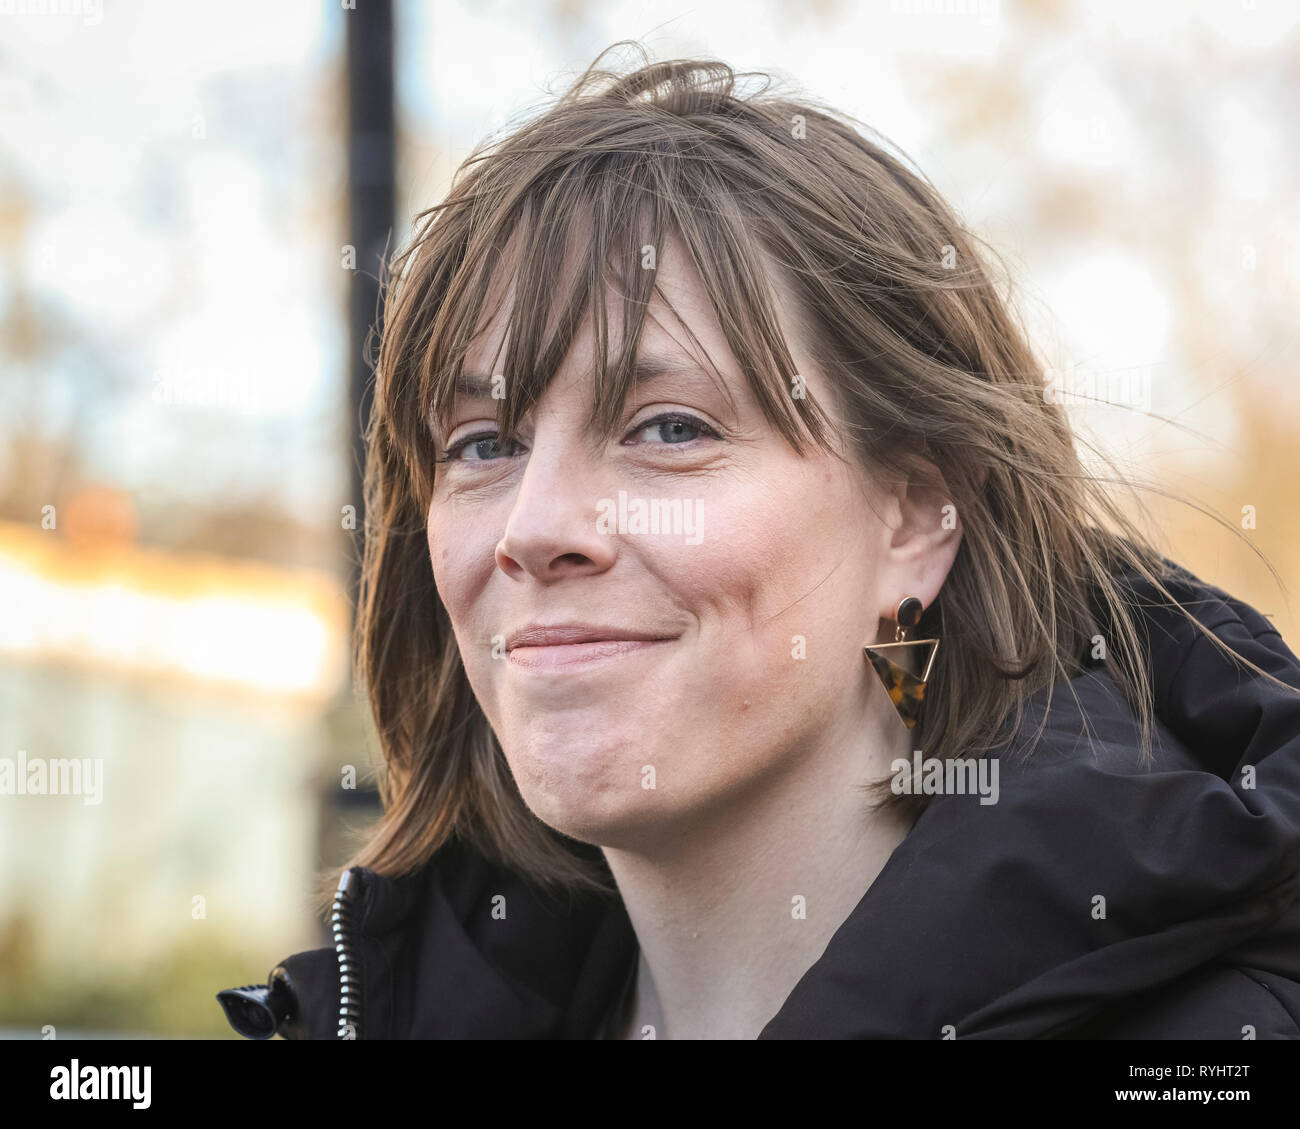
{"type": "Point", "coordinates": [602, 818]}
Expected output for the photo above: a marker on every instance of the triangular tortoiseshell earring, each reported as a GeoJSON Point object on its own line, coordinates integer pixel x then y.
{"type": "Point", "coordinates": [900, 667]}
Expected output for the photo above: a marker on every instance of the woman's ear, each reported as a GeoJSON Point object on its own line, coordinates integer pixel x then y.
{"type": "Point", "coordinates": [922, 535]}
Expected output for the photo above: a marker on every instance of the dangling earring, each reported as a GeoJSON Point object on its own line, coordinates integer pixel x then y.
{"type": "Point", "coordinates": [906, 687]}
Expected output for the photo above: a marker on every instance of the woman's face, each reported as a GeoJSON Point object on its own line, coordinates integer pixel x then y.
{"type": "Point", "coordinates": [743, 614]}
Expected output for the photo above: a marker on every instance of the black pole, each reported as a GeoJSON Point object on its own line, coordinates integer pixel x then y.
{"type": "Point", "coordinates": [372, 179]}
{"type": "Point", "coordinates": [372, 176]}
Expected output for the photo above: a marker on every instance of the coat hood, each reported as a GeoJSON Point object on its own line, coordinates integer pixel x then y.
{"type": "Point", "coordinates": [1095, 898]}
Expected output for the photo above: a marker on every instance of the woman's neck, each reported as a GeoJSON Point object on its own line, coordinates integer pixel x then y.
{"type": "Point", "coordinates": [731, 912]}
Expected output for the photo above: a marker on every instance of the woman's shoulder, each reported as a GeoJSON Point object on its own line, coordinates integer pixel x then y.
{"type": "Point", "coordinates": [1215, 1001]}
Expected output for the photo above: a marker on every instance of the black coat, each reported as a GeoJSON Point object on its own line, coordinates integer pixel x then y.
{"type": "Point", "coordinates": [981, 924]}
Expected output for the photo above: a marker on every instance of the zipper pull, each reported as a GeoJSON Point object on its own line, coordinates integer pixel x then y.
{"type": "Point", "coordinates": [257, 1011]}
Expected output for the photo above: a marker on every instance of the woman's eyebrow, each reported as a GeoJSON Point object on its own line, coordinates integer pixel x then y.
{"type": "Point", "coordinates": [648, 366]}
{"type": "Point", "coordinates": [651, 365]}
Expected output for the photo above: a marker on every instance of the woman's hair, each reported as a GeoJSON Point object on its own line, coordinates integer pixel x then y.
{"type": "Point", "coordinates": [897, 309]}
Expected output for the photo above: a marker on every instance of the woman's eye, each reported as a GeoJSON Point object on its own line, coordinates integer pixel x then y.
{"type": "Point", "coordinates": [674, 429]}
{"type": "Point", "coordinates": [480, 447]}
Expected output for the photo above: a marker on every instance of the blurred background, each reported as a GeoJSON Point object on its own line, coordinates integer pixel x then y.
{"type": "Point", "coordinates": [194, 200]}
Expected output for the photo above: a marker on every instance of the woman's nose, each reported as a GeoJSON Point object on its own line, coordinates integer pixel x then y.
{"type": "Point", "coordinates": [551, 531]}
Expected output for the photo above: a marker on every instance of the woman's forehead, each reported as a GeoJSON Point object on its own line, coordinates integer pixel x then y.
{"type": "Point", "coordinates": [679, 332]}
{"type": "Point", "coordinates": [679, 294]}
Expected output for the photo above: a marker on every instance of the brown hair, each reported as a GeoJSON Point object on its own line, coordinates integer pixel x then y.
{"type": "Point", "coordinates": [902, 315]}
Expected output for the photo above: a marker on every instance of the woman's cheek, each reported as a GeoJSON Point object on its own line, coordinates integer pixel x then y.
{"type": "Point", "coordinates": [459, 553]}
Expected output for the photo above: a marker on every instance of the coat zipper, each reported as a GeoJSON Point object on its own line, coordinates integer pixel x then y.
{"type": "Point", "coordinates": [349, 955]}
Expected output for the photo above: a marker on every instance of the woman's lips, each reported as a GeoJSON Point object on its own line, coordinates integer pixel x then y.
{"type": "Point", "coordinates": [568, 656]}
